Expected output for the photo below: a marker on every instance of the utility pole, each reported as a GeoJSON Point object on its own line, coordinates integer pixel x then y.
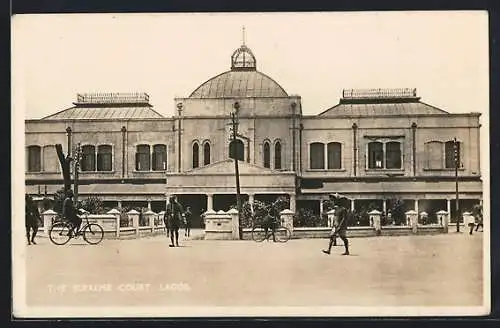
{"type": "Point", "coordinates": [234, 123]}
{"type": "Point", "coordinates": [179, 110]}
{"type": "Point", "coordinates": [456, 153]}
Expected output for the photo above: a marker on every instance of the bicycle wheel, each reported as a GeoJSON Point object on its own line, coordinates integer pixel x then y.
{"type": "Point", "coordinates": [258, 234]}
{"type": "Point", "coordinates": [283, 234]}
{"type": "Point", "coordinates": [93, 233]}
{"type": "Point", "coordinates": [59, 233]}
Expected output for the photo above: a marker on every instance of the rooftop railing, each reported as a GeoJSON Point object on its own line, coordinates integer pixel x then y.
{"type": "Point", "coordinates": [379, 93]}
{"type": "Point", "coordinates": [112, 98]}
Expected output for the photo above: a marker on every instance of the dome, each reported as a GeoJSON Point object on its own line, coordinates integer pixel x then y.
{"type": "Point", "coordinates": [243, 80]}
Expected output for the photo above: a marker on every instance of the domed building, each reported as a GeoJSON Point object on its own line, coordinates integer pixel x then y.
{"type": "Point", "coordinates": [377, 147]}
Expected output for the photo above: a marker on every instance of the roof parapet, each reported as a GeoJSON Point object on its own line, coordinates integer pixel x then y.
{"type": "Point", "coordinates": [401, 93]}
{"type": "Point", "coordinates": [112, 98]}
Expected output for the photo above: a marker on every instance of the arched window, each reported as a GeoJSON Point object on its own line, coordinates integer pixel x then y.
{"type": "Point", "coordinates": [334, 150]}
{"type": "Point", "coordinates": [206, 153]}
{"type": "Point", "coordinates": [393, 155]}
{"type": "Point", "coordinates": [434, 155]}
{"type": "Point", "coordinates": [88, 158]}
{"type": "Point", "coordinates": [143, 158]}
{"type": "Point", "coordinates": [196, 155]}
{"type": "Point", "coordinates": [159, 157]}
{"type": "Point", "coordinates": [317, 155]}
{"type": "Point", "coordinates": [50, 159]}
{"type": "Point", "coordinates": [375, 155]}
{"type": "Point", "coordinates": [449, 151]}
{"type": "Point", "coordinates": [267, 154]}
{"type": "Point", "coordinates": [277, 155]}
{"type": "Point", "coordinates": [104, 158]}
{"type": "Point", "coordinates": [237, 150]}
{"type": "Point", "coordinates": [34, 159]}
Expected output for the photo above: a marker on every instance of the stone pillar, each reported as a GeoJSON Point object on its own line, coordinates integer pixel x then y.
{"type": "Point", "coordinates": [235, 224]}
{"type": "Point", "coordinates": [375, 218]}
{"type": "Point", "coordinates": [251, 199]}
{"type": "Point", "coordinates": [286, 217]}
{"type": "Point", "coordinates": [448, 206]}
{"type": "Point", "coordinates": [424, 217]}
{"type": "Point", "coordinates": [133, 216]}
{"type": "Point", "coordinates": [352, 205]}
{"type": "Point", "coordinates": [384, 207]}
{"type": "Point", "coordinates": [331, 217]}
{"type": "Point", "coordinates": [119, 204]}
{"type": "Point", "coordinates": [117, 214]}
{"type": "Point", "coordinates": [210, 202]}
{"type": "Point", "coordinates": [321, 207]}
{"type": "Point", "coordinates": [468, 218]}
{"type": "Point", "coordinates": [160, 218]}
{"type": "Point", "coordinates": [150, 217]}
{"type": "Point", "coordinates": [293, 203]}
{"type": "Point", "coordinates": [443, 220]}
{"type": "Point", "coordinates": [416, 206]}
{"type": "Point", "coordinates": [48, 217]}
{"type": "Point", "coordinates": [412, 217]}
{"type": "Point", "coordinates": [149, 205]}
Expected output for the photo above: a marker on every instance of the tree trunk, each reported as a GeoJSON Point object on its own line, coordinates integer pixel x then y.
{"type": "Point", "coordinates": [65, 161]}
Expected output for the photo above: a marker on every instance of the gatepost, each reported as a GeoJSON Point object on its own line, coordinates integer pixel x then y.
{"type": "Point", "coordinates": [117, 215]}
{"type": "Point", "coordinates": [331, 217]}
{"type": "Point", "coordinates": [375, 219]}
{"type": "Point", "coordinates": [286, 217]}
{"type": "Point", "coordinates": [134, 216]}
{"type": "Point", "coordinates": [48, 217]}
{"type": "Point", "coordinates": [235, 224]}
{"type": "Point", "coordinates": [443, 220]}
{"type": "Point", "coordinates": [412, 217]}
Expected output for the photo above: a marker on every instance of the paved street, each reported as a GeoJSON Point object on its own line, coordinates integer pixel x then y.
{"type": "Point", "coordinates": [441, 270]}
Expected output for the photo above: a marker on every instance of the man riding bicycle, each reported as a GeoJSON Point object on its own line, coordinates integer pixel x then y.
{"type": "Point", "coordinates": [270, 221]}
{"type": "Point", "coordinates": [69, 212]}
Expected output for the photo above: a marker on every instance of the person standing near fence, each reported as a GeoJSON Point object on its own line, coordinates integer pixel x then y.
{"type": "Point", "coordinates": [174, 217]}
{"type": "Point", "coordinates": [32, 216]}
{"type": "Point", "coordinates": [187, 217]}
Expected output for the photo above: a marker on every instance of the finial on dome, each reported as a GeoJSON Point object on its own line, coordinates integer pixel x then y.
{"type": "Point", "coordinates": [243, 58]}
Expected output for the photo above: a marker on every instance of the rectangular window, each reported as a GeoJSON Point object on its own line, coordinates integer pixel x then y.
{"type": "Point", "coordinates": [34, 160]}
{"type": "Point", "coordinates": [393, 155]}
{"type": "Point", "coordinates": [159, 157]}
{"type": "Point", "coordinates": [317, 156]}
{"type": "Point", "coordinates": [88, 158]}
{"type": "Point", "coordinates": [334, 150]}
{"type": "Point", "coordinates": [375, 155]}
{"type": "Point", "coordinates": [434, 155]}
{"type": "Point", "coordinates": [143, 158]}
{"type": "Point", "coordinates": [105, 158]}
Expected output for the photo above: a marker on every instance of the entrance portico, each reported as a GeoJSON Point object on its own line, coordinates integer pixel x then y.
{"type": "Point", "coordinates": [217, 181]}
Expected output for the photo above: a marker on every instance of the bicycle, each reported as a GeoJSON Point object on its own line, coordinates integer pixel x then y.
{"type": "Point", "coordinates": [282, 234]}
{"type": "Point", "coordinates": [61, 232]}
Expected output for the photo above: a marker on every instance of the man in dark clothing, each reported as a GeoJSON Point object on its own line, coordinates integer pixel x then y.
{"type": "Point", "coordinates": [174, 217]}
{"type": "Point", "coordinates": [339, 226]}
{"type": "Point", "coordinates": [32, 216]}
{"type": "Point", "coordinates": [188, 216]}
{"type": "Point", "coordinates": [269, 222]}
{"type": "Point", "coordinates": [69, 212]}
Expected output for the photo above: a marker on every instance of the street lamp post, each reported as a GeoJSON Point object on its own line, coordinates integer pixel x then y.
{"type": "Point", "coordinates": [234, 122]}
{"type": "Point", "coordinates": [179, 110]}
{"type": "Point", "coordinates": [456, 153]}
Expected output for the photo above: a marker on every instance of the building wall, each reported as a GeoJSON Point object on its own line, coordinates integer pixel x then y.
{"type": "Point", "coordinates": [429, 128]}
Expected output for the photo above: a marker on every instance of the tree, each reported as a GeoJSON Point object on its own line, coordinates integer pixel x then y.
{"type": "Point", "coordinates": [93, 204]}
{"type": "Point", "coordinates": [398, 211]}
{"type": "Point", "coordinates": [65, 166]}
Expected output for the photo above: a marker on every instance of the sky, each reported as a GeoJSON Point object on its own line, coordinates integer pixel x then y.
{"type": "Point", "coordinates": [315, 55]}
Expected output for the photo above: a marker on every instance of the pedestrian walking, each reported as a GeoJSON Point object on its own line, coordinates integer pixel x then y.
{"type": "Point", "coordinates": [187, 221]}
{"type": "Point", "coordinates": [479, 218]}
{"type": "Point", "coordinates": [32, 217]}
{"type": "Point", "coordinates": [340, 226]}
{"type": "Point", "coordinates": [174, 219]}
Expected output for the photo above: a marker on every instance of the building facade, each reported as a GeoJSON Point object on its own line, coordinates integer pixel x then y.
{"type": "Point", "coordinates": [374, 146]}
